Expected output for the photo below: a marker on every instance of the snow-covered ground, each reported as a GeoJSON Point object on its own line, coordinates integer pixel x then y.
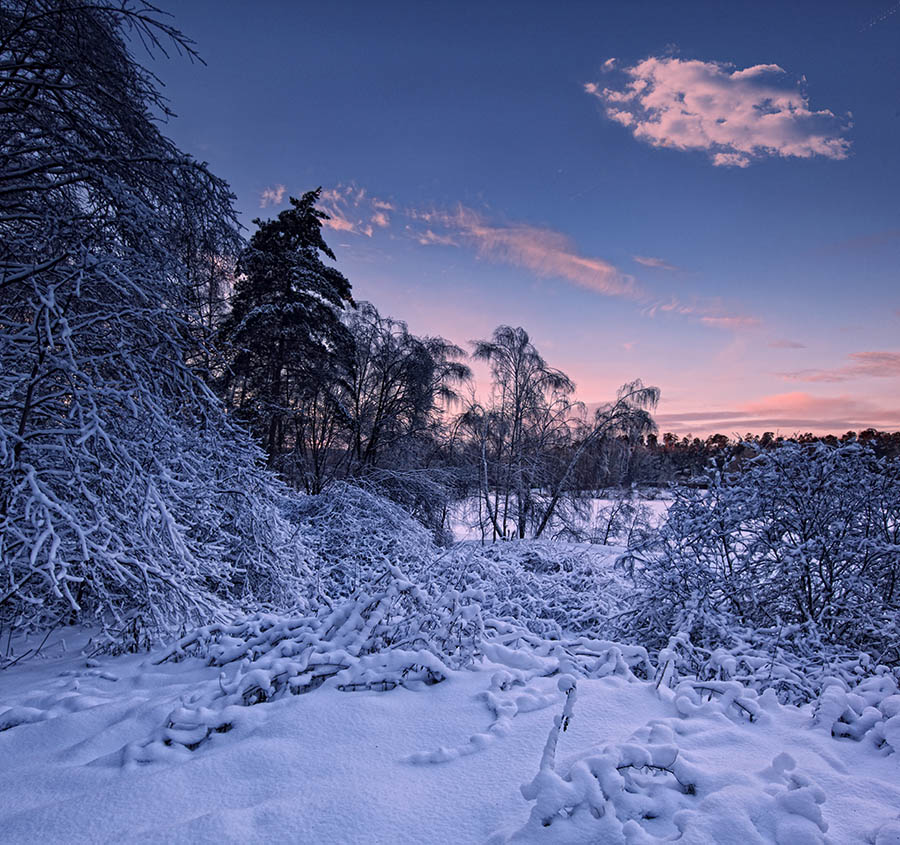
{"type": "Point", "coordinates": [107, 750]}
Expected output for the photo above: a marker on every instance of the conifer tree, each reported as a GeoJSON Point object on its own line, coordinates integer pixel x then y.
{"type": "Point", "coordinates": [284, 329]}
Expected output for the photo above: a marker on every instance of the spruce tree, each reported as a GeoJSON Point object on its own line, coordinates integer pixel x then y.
{"type": "Point", "coordinates": [284, 329]}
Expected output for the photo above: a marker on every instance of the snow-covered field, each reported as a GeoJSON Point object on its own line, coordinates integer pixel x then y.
{"type": "Point", "coordinates": [428, 695]}
{"type": "Point", "coordinates": [167, 748]}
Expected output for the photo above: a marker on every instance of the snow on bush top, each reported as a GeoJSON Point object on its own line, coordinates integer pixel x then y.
{"type": "Point", "coordinates": [550, 587]}
{"type": "Point", "coordinates": [358, 536]}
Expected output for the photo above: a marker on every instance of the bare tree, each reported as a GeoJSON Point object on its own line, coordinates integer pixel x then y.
{"type": "Point", "coordinates": [528, 440]}
{"type": "Point", "coordinates": [527, 416]}
{"type": "Point", "coordinates": [377, 414]}
{"type": "Point", "coordinates": [629, 416]}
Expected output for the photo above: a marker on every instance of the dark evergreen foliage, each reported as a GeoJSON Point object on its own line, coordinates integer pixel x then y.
{"type": "Point", "coordinates": [284, 327]}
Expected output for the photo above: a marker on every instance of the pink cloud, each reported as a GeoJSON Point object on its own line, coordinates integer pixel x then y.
{"type": "Point", "coordinates": [797, 402]}
{"type": "Point", "coordinates": [655, 263]}
{"type": "Point", "coordinates": [550, 253]}
{"type": "Point", "coordinates": [788, 413]}
{"type": "Point", "coordinates": [862, 365]}
{"type": "Point", "coordinates": [342, 224]}
{"type": "Point", "coordinates": [350, 210]}
{"type": "Point", "coordinates": [734, 115]}
{"type": "Point", "coordinates": [545, 252]}
{"type": "Point", "coordinates": [730, 321]}
{"type": "Point", "coordinates": [710, 313]}
{"type": "Point", "coordinates": [430, 238]}
{"type": "Point", "coordinates": [272, 196]}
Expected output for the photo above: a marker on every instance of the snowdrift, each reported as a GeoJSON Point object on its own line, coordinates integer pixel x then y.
{"type": "Point", "coordinates": [419, 694]}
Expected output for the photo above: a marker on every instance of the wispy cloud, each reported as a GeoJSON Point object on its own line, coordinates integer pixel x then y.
{"type": "Point", "coordinates": [542, 251]}
{"type": "Point", "coordinates": [709, 312]}
{"type": "Point", "coordinates": [730, 321]}
{"type": "Point", "coordinates": [736, 116]}
{"type": "Point", "coordinates": [786, 344]}
{"type": "Point", "coordinates": [785, 412]}
{"type": "Point", "coordinates": [272, 196]}
{"type": "Point", "coordinates": [877, 364]}
{"type": "Point", "coordinates": [430, 238]}
{"type": "Point", "coordinates": [545, 252]}
{"type": "Point", "coordinates": [548, 253]}
{"type": "Point", "coordinates": [351, 209]}
{"type": "Point", "coordinates": [655, 263]}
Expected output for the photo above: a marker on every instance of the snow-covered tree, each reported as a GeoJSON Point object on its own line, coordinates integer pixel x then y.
{"type": "Point", "coordinates": [284, 325]}
{"type": "Point", "coordinates": [124, 489]}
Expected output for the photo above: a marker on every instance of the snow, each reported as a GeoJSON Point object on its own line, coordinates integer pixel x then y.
{"type": "Point", "coordinates": [463, 760]}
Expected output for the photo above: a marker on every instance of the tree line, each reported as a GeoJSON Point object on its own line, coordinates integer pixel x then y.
{"type": "Point", "coordinates": [333, 390]}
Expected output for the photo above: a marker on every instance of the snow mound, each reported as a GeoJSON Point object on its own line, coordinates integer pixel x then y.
{"type": "Point", "coordinates": [647, 790]}
{"type": "Point", "coordinates": [869, 710]}
{"type": "Point", "coordinates": [357, 536]}
{"type": "Point", "coordinates": [550, 587]}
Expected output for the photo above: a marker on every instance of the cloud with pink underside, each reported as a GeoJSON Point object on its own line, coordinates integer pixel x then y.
{"type": "Point", "coordinates": [876, 364]}
{"type": "Point", "coordinates": [543, 251]}
{"type": "Point", "coordinates": [271, 196]}
{"type": "Point", "coordinates": [735, 116]}
{"type": "Point", "coordinates": [787, 413]}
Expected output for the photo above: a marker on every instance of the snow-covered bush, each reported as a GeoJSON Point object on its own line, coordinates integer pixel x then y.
{"type": "Point", "coordinates": [549, 587]}
{"type": "Point", "coordinates": [357, 537]}
{"type": "Point", "coordinates": [792, 660]}
{"type": "Point", "coordinates": [391, 634]}
{"type": "Point", "coordinates": [424, 493]}
{"type": "Point", "coordinates": [800, 534]}
{"type": "Point", "coordinates": [869, 709]}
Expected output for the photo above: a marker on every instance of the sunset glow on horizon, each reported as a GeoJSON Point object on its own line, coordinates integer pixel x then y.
{"type": "Point", "coordinates": [703, 196]}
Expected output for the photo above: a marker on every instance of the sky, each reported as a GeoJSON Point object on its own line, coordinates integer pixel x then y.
{"type": "Point", "coordinates": [699, 194]}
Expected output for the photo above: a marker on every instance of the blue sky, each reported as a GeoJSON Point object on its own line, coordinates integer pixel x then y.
{"type": "Point", "coordinates": [702, 195]}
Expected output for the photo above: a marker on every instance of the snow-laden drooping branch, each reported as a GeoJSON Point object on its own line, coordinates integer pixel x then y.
{"type": "Point", "coordinates": [126, 495]}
